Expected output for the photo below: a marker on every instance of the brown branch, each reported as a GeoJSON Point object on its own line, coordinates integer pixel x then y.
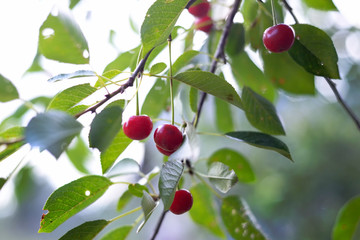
{"type": "Point", "coordinates": [219, 54]}
{"type": "Point", "coordinates": [159, 225]}
{"type": "Point", "coordinates": [342, 102]}
{"type": "Point", "coordinates": [129, 83]}
{"type": "Point", "coordinates": [289, 8]}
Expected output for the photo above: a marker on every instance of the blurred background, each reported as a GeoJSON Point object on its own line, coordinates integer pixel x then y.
{"type": "Point", "coordinates": [296, 201]}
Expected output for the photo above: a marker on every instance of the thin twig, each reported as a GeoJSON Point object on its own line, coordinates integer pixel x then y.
{"type": "Point", "coordinates": [9, 142]}
{"type": "Point", "coordinates": [159, 225]}
{"type": "Point", "coordinates": [342, 102]}
{"type": "Point", "coordinates": [289, 8]}
{"type": "Point", "coordinates": [219, 54]}
{"type": "Point", "coordinates": [129, 83]}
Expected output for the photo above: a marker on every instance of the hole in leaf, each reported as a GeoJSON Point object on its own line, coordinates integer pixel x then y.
{"type": "Point", "coordinates": [48, 32]}
{"type": "Point", "coordinates": [86, 54]}
{"type": "Point", "coordinates": [87, 193]}
{"type": "Point", "coordinates": [55, 12]}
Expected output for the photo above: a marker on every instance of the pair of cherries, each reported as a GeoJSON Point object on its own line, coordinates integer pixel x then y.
{"type": "Point", "coordinates": [200, 10]}
{"type": "Point", "coordinates": [168, 138]}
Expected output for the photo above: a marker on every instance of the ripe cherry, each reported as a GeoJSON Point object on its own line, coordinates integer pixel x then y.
{"type": "Point", "coordinates": [200, 8]}
{"type": "Point", "coordinates": [279, 38]}
{"type": "Point", "coordinates": [182, 203]}
{"type": "Point", "coordinates": [204, 24]}
{"type": "Point", "coordinates": [138, 127]}
{"type": "Point", "coordinates": [168, 137]}
{"type": "Point", "coordinates": [167, 153]}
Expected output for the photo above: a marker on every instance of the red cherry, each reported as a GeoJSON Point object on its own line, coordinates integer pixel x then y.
{"type": "Point", "coordinates": [279, 38]}
{"type": "Point", "coordinates": [168, 137]}
{"type": "Point", "coordinates": [182, 203]}
{"type": "Point", "coordinates": [200, 9]}
{"type": "Point", "coordinates": [138, 127]}
{"type": "Point", "coordinates": [204, 24]}
{"type": "Point", "coordinates": [167, 153]}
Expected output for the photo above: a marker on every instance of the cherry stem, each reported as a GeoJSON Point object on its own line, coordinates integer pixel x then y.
{"type": "Point", "coordinates": [171, 83]}
{"type": "Point", "coordinates": [273, 12]}
{"type": "Point", "coordinates": [125, 214]}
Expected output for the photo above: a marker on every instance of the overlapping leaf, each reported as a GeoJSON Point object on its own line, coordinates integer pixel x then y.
{"type": "Point", "coordinates": [120, 233]}
{"type": "Point", "coordinates": [8, 91]}
{"type": "Point", "coordinates": [148, 206]}
{"type": "Point", "coordinates": [86, 231]}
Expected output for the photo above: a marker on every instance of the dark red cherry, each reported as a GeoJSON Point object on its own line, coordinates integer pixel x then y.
{"type": "Point", "coordinates": [167, 153]}
{"type": "Point", "coordinates": [168, 137]}
{"type": "Point", "coordinates": [182, 203]}
{"type": "Point", "coordinates": [200, 8]}
{"type": "Point", "coordinates": [204, 24]}
{"type": "Point", "coordinates": [279, 38]}
{"type": "Point", "coordinates": [138, 127]}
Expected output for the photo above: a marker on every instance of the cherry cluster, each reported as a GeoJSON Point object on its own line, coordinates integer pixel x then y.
{"type": "Point", "coordinates": [200, 9]}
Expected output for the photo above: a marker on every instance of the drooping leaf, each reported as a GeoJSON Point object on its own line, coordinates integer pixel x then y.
{"type": "Point", "coordinates": [261, 140]}
{"type": "Point", "coordinates": [105, 127]}
{"type": "Point", "coordinates": [157, 68]}
{"type": "Point", "coordinates": [69, 97]}
{"type": "Point", "coordinates": [86, 231]}
{"type": "Point", "coordinates": [137, 189]}
{"type": "Point", "coordinates": [170, 175]}
{"type": "Point", "coordinates": [239, 221]}
{"type": "Point", "coordinates": [314, 50]}
{"type": "Point", "coordinates": [292, 78]}
{"type": "Point", "coordinates": [246, 73]}
{"type": "Point", "coordinates": [124, 60]}
{"type": "Point", "coordinates": [159, 21]}
{"type": "Point", "coordinates": [77, 74]}
{"type": "Point", "coordinates": [61, 39]}
{"type": "Point", "coordinates": [212, 84]}
{"type": "Point", "coordinates": [347, 220]}
{"type": "Point", "coordinates": [236, 162]}
{"type": "Point", "coordinates": [125, 166]}
{"type": "Point", "coordinates": [52, 131]}
{"type": "Point", "coordinates": [148, 206]}
{"type": "Point", "coordinates": [183, 60]}
{"type": "Point", "coordinates": [24, 184]}
{"type": "Point", "coordinates": [236, 40]}
{"type": "Point", "coordinates": [223, 116]}
{"type": "Point", "coordinates": [124, 200]}
{"type": "Point", "coordinates": [78, 155]}
{"type": "Point", "coordinates": [8, 91]}
{"type": "Point", "coordinates": [118, 145]}
{"type": "Point", "coordinates": [203, 211]}
{"type": "Point", "coordinates": [261, 113]}
{"type": "Point", "coordinates": [71, 198]}
{"type": "Point", "coordinates": [157, 99]}
{"type": "Point", "coordinates": [324, 5]}
{"type": "Point", "coordinates": [120, 233]}
{"type": "Point", "coordinates": [221, 176]}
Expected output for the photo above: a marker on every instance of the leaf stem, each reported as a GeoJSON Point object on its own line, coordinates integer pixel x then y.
{"type": "Point", "coordinates": [125, 214]}
{"type": "Point", "coordinates": [171, 83]}
{"type": "Point", "coordinates": [200, 177]}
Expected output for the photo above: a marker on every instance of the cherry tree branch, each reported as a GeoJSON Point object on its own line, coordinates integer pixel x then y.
{"type": "Point", "coordinates": [159, 225]}
{"type": "Point", "coordinates": [219, 54]}
{"type": "Point", "coordinates": [290, 10]}
{"type": "Point", "coordinates": [129, 83]}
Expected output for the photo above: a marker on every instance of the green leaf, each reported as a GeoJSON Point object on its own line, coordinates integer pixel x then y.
{"type": "Point", "coordinates": [262, 140]}
{"type": "Point", "coordinates": [221, 176]}
{"type": "Point", "coordinates": [61, 39]}
{"type": "Point", "coordinates": [246, 73]}
{"type": "Point", "coordinates": [212, 84]}
{"type": "Point", "coordinates": [78, 155]}
{"type": "Point", "coordinates": [10, 149]}
{"type": "Point", "coordinates": [73, 3]}
{"type": "Point", "coordinates": [148, 206]}
{"type": "Point", "coordinates": [86, 231]}
{"type": "Point", "coordinates": [69, 97]}
{"type": "Point", "coordinates": [52, 131]}
{"type": "Point", "coordinates": [124, 60]}
{"type": "Point", "coordinates": [203, 211]}
{"type": "Point", "coordinates": [183, 60]}
{"type": "Point", "coordinates": [124, 200]}
{"type": "Point", "coordinates": [8, 91]}
{"type": "Point", "coordinates": [223, 116]}
{"type": "Point", "coordinates": [125, 166]}
{"type": "Point", "coordinates": [25, 185]}
{"type": "Point", "coordinates": [236, 40]}
{"type": "Point", "coordinates": [36, 64]}
{"type": "Point", "coordinates": [314, 50]}
{"type": "Point", "coordinates": [325, 5]}
{"type": "Point", "coordinates": [170, 175]}
{"type": "Point", "coordinates": [120, 233]}
{"type": "Point", "coordinates": [261, 113]}
{"type": "Point", "coordinates": [137, 189]}
{"type": "Point", "coordinates": [118, 145]}
{"type": "Point", "coordinates": [105, 127]}
{"type": "Point", "coordinates": [236, 162]}
{"type": "Point", "coordinates": [193, 99]}
{"type": "Point", "coordinates": [2, 182]}
{"type": "Point", "coordinates": [157, 99]}
{"type": "Point", "coordinates": [239, 221]}
{"type": "Point", "coordinates": [14, 138]}
{"type": "Point", "coordinates": [157, 68]}
{"type": "Point", "coordinates": [159, 21]}
{"type": "Point", "coordinates": [77, 74]}
{"type": "Point", "coordinates": [292, 78]}
{"type": "Point", "coordinates": [70, 199]}
{"type": "Point", "coordinates": [347, 220]}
